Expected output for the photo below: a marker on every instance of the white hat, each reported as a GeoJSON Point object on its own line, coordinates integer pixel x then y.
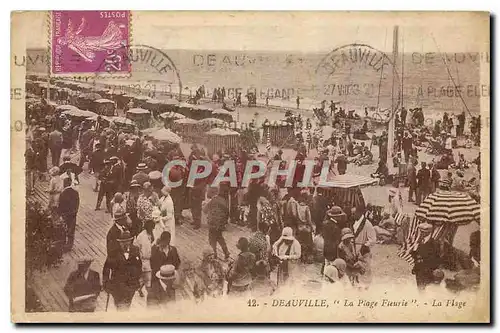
{"type": "Point", "coordinates": [287, 233]}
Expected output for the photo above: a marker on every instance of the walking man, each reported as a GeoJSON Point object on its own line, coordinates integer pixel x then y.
{"type": "Point", "coordinates": [217, 210]}
{"type": "Point", "coordinates": [122, 272]}
{"type": "Point", "coordinates": [423, 182]}
{"type": "Point", "coordinates": [69, 202]}
{"type": "Point", "coordinates": [55, 146]}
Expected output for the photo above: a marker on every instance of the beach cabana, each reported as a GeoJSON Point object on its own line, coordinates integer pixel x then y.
{"type": "Point", "coordinates": [141, 117]}
{"type": "Point", "coordinates": [221, 139]}
{"type": "Point", "coordinates": [345, 190]}
{"type": "Point", "coordinates": [105, 107]}
{"type": "Point", "coordinates": [222, 114]}
{"type": "Point", "coordinates": [165, 135]}
{"type": "Point", "coordinates": [85, 101]}
{"type": "Point", "coordinates": [281, 134]}
{"type": "Point", "coordinates": [187, 128]}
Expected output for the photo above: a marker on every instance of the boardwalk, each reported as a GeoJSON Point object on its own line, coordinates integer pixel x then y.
{"type": "Point", "coordinates": [90, 240]}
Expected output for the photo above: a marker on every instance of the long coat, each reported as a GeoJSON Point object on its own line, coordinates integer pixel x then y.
{"type": "Point", "coordinates": [121, 274]}
{"type": "Point", "coordinates": [77, 285]}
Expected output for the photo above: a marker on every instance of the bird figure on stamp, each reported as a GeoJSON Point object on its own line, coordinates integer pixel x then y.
{"type": "Point", "coordinates": [86, 46]}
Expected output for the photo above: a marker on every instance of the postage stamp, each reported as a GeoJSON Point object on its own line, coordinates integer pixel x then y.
{"type": "Point", "coordinates": [83, 41]}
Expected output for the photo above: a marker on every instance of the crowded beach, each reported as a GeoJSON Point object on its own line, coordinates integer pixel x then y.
{"type": "Point", "coordinates": [398, 188]}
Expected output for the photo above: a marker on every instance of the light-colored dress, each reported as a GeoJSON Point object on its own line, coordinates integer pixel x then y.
{"type": "Point", "coordinates": [167, 218]}
{"type": "Point", "coordinates": [55, 189]}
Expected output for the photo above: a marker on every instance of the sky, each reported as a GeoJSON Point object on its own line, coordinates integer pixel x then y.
{"type": "Point", "coordinates": [294, 31]}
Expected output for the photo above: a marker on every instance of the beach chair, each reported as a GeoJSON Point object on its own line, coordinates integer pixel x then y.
{"type": "Point", "coordinates": [434, 147]}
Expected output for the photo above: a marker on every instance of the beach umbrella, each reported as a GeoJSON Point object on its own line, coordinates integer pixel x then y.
{"type": "Point", "coordinates": [138, 111]}
{"type": "Point", "coordinates": [66, 107]}
{"type": "Point", "coordinates": [90, 96]}
{"type": "Point", "coordinates": [172, 115]}
{"type": "Point", "coordinates": [350, 180]}
{"type": "Point", "coordinates": [212, 121]}
{"type": "Point", "coordinates": [186, 121]}
{"type": "Point", "coordinates": [121, 120]}
{"type": "Point", "coordinates": [449, 207]}
{"type": "Point", "coordinates": [164, 134]}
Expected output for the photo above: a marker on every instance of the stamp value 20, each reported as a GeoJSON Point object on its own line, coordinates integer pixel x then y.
{"type": "Point", "coordinates": [90, 42]}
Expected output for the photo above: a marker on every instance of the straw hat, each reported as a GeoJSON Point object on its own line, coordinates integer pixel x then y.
{"type": "Point", "coordinates": [119, 214]}
{"type": "Point", "coordinates": [141, 166]}
{"type": "Point", "coordinates": [346, 233]}
{"type": "Point", "coordinates": [135, 183]}
{"type": "Point", "coordinates": [84, 260]}
{"type": "Point", "coordinates": [287, 233]}
{"type": "Point", "coordinates": [392, 192]}
{"type": "Point", "coordinates": [154, 175]}
{"type": "Point", "coordinates": [166, 273]}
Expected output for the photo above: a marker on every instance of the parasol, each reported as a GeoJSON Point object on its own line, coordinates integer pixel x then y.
{"type": "Point", "coordinates": [121, 120]}
{"type": "Point", "coordinates": [90, 96]}
{"type": "Point", "coordinates": [186, 121]}
{"type": "Point", "coordinates": [212, 121]}
{"type": "Point", "coordinates": [222, 132]}
{"type": "Point", "coordinates": [350, 181]}
{"type": "Point", "coordinates": [66, 107]}
{"type": "Point", "coordinates": [450, 207]}
{"type": "Point", "coordinates": [103, 100]}
{"type": "Point", "coordinates": [164, 134]}
{"type": "Point", "coordinates": [172, 115]}
{"type": "Point", "coordinates": [138, 111]}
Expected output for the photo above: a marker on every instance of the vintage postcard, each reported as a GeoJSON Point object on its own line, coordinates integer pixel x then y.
{"type": "Point", "coordinates": [317, 167]}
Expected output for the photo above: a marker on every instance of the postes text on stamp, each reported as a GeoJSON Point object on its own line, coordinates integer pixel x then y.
{"type": "Point", "coordinates": [83, 40]}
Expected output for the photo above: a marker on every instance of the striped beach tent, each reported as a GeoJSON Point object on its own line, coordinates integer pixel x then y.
{"type": "Point", "coordinates": [445, 210]}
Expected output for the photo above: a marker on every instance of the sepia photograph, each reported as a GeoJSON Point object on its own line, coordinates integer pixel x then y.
{"type": "Point", "coordinates": [219, 167]}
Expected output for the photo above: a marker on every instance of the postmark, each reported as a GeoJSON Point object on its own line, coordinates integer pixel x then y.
{"type": "Point", "coordinates": [81, 39]}
{"type": "Point", "coordinates": [359, 76]}
{"type": "Point", "coordinates": [153, 72]}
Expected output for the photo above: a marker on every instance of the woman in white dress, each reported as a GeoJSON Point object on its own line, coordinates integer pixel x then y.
{"type": "Point", "coordinates": [55, 188]}
{"type": "Point", "coordinates": [167, 219]}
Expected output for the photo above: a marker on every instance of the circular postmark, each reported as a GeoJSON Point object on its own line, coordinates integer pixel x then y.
{"type": "Point", "coordinates": [358, 76]}
{"type": "Point", "coordinates": [152, 71]}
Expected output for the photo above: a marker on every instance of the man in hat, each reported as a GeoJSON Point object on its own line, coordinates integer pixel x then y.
{"type": "Point", "coordinates": [163, 287]}
{"type": "Point", "coordinates": [217, 210]}
{"type": "Point", "coordinates": [119, 226]}
{"type": "Point", "coordinates": [82, 287]}
{"type": "Point", "coordinates": [106, 189]}
{"type": "Point", "coordinates": [69, 202]}
{"type": "Point", "coordinates": [435, 176]}
{"type": "Point", "coordinates": [426, 256]}
{"type": "Point", "coordinates": [407, 146]}
{"type": "Point", "coordinates": [116, 175]}
{"type": "Point", "coordinates": [97, 163]}
{"type": "Point", "coordinates": [412, 181]}
{"type": "Point", "coordinates": [423, 182]}
{"type": "Point", "coordinates": [55, 146]}
{"type": "Point", "coordinates": [331, 233]}
{"type": "Point", "coordinates": [70, 168]}
{"type": "Point", "coordinates": [142, 175]}
{"type": "Point", "coordinates": [122, 272]}
{"type": "Point", "coordinates": [197, 192]}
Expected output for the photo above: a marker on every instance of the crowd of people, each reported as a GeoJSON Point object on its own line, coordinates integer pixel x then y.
{"type": "Point", "coordinates": [289, 228]}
